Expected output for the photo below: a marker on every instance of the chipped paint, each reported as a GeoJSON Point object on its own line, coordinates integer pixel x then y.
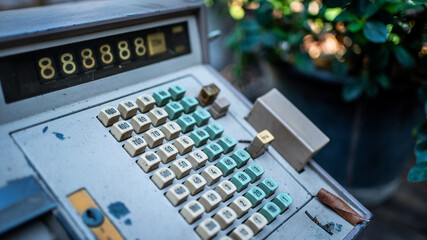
{"type": "Point", "coordinates": [60, 136]}
{"type": "Point", "coordinates": [128, 222]}
{"type": "Point", "coordinates": [118, 210]}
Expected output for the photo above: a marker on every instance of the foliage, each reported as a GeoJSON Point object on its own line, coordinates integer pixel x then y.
{"type": "Point", "coordinates": [376, 44]}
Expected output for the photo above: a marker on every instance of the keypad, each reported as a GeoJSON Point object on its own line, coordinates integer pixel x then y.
{"type": "Point", "coordinates": [227, 165]}
{"type": "Point", "coordinates": [194, 161]}
{"type": "Point", "coordinates": [177, 91]}
{"type": "Point", "coordinates": [213, 150]}
{"type": "Point", "coordinates": [174, 110]}
{"type": "Point", "coordinates": [140, 123]}
{"type": "Point", "coordinates": [186, 122]}
{"type": "Point", "coordinates": [161, 97]}
{"type": "Point", "coordinates": [201, 116]}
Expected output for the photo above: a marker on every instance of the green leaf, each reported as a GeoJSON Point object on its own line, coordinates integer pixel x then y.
{"type": "Point", "coordinates": [352, 90]}
{"type": "Point", "coordinates": [346, 16]}
{"type": "Point", "coordinates": [404, 57]}
{"type": "Point", "coordinates": [264, 13]}
{"type": "Point", "coordinates": [418, 172]}
{"type": "Point", "coordinates": [421, 151]}
{"type": "Point", "coordinates": [375, 31]}
{"type": "Point", "coordinates": [355, 26]}
{"type": "Point", "coordinates": [371, 9]}
{"type": "Point", "coordinates": [419, 1]}
{"type": "Point", "coordinates": [332, 13]}
{"type": "Point", "coordinates": [280, 34]}
{"type": "Point", "coordinates": [249, 42]}
{"type": "Point", "coordinates": [268, 39]}
{"type": "Point", "coordinates": [303, 62]}
{"type": "Point", "coordinates": [420, 131]}
{"type": "Point", "coordinates": [336, 3]}
{"type": "Point", "coordinates": [383, 81]}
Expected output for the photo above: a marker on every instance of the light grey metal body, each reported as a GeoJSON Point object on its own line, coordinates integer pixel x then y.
{"type": "Point", "coordinates": [88, 156]}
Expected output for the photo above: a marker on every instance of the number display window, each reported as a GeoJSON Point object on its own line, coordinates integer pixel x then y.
{"type": "Point", "coordinates": [64, 66]}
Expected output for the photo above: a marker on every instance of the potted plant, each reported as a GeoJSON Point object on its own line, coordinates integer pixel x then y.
{"type": "Point", "coordinates": [354, 67]}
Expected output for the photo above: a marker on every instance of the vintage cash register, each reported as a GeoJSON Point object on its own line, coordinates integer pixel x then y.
{"type": "Point", "coordinates": [113, 125]}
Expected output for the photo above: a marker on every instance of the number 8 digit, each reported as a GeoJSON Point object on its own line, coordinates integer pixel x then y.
{"type": "Point", "coordinates": [106, 55]}
{"type": "Point", "coordinates": [139, 46]}
{"type": "Point", "coordinates": [68, 66]}
{"type": "Point", "coordinates": [87, 59]}
{"type": "Point", "coordinates": [46, 70]}
{"type": "Point", "coordinates": [124, 52]}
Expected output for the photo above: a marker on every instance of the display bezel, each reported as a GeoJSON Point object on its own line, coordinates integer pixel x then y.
{"type": "Point", "coordinates": [20, 74]}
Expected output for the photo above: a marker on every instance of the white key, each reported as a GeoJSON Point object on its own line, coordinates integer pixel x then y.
{"type": "Point", "coordinates": [212, 174]}
{"type": "Point", "coordinates": [208, 229]}
{"type": "Point", "coordinates": [177, 194]}
{"type": "Point", "coordinates": [192, 211]}
{"type": "Point", "coordinates": [108, 116]}
{"type": "Point", "coordinates": [242, 232]}
{"type": "Point", "coordinates": [197, 158]}
{"type": "Point", "coordinates": [167, 152]}
{"type": "Point", "coordinates": [158, 116]}
{"type": "Point", "coordinates": [171, 130]}
{"type": "Point", "coordinates": [154, 137]}
{"type": "Point", "coordinates": [181, 167]}
{"type": "Point", "coordinates": [184, 144]}
{"type": "Point", "coordinates": [163, 177]}
{"type": "Point", "coordinates": [195, 183]}
{"type": "Point", "coordinates": [135, 145]}
{"type": "Point", "coordinates": [225, 217]}
{"type": "Point", "coordinates": [148, 161]}
{"type": "Point", "coordinates": [226, 189]}
{"type": "Point", "coordinates": [210, 200]}
{"type": "Point", "coordinates": [241, 206]}
{"type": "Point", "coordinates": [145, 102]}
{"type": "Point", "coordinates": [256, 222]}
{"type": "Point", "coordinates": [140, 123]}
{"type": "Point", "coordinates": [121, 130]}
{"type": "Point", "coordinates": [127, 109]}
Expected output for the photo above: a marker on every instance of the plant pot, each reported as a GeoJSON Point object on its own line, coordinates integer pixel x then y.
{"type": "Point", "coordinates": [370, 138]}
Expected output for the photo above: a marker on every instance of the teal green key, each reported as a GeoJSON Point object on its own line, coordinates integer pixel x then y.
{"type": "Point", "coordinates": [227, 143]}
{"type": "Point", "coordinates": [241, 157]}
{"type": "Point", "coordinates": [215, 130]}
{"type": "Point", "coordinates": [255, 171]}
{"type": "Point", "coordinates": [213, 150]}
{"type": "Point", "coordinates": [270, 211]}
{"type": "Point", "coordinates": [255, 195]}
{"type": "Point", "coordinates": [177, 91]}
{"type": "Point", "coordinates": [200, 137]}
{"type": "Point", "coordinates": [202, 117]}
{"type": "Point", "coordinates": [189, 103]}
{"type": "Point", "coordinates": [283, 200]}
{"type": "Point", "coordinates": [162, 97]}
{"type": "Point", "coordinates": [186, 122]}
{"type": "Point", "coordinates": [241, 180]}
{"type": "Point", "coordinates": [227, 165]}
{"type": "Point", "coordinates": [174, 110]}
{"type": "Point", "coordinates": [268, 185]}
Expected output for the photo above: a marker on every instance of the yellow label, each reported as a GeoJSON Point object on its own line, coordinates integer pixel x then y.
{"type": "Point", "coordinates": [156, 43]}
{"type": "Point", "coordinates": [265, 137]}
{"type": "Point", "coordinates": [177, 29]}
{"type": "Point", "coordinates": [82, 201]}
{"type": "Point", "coordinates": [180, 49]}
